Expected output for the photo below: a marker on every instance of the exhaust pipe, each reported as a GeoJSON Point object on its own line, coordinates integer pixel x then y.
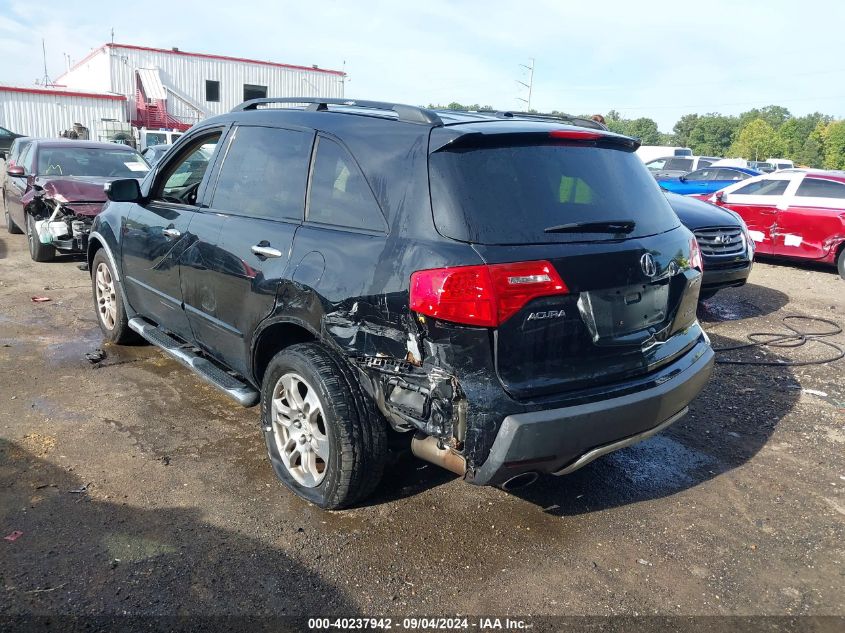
{"type": "Point", "coordinates": [428, 448]}
{"type": "Point", "coordinates": [520, 481]}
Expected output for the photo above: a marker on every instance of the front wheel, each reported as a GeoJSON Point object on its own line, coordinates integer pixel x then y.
{"type": "Point", "coordinates": [108, 301]}
{"type": "Point", "coordinates": [840, 262]}
{"type": "Point", "coordinates": [38, 251]}
{"type": "Point", "coordinates": [324, 438]}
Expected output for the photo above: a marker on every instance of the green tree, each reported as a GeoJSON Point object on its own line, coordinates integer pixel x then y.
{"type": "Point", "coordinates": [811, 153]}
{"type": "Point", "coordinates": [834, 145]}
{"type": "Point", "coordinates": [773, 115]}
{"type": "Point", "coordinates": [756, 141]}
{"type": "Point", "coordinates": [683, 128]}
{"type": "Point", "coordinates": [644, 129]}
{"type": "Point", "coordinates": [713, 135]}
{"type": "Point", "coordinates": [791, 139]}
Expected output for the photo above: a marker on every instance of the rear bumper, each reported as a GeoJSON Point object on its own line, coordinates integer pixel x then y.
{"type": "Point", "coordinates": [718, 278]}
{"type": "Point", "coordinates": [562, 440]}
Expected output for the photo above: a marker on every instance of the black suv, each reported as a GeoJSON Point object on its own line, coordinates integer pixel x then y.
{"type": "Point", "coordinates": [512, 293]}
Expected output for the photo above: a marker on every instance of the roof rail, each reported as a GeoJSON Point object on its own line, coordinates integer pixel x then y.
{"type": "Point", "coordinates": [564, 118]}
{"type": "Point", "coordinates": [408, 113]}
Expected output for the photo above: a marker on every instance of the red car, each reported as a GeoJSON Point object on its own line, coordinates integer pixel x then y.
{"type": "Point", "coordinates": [795, 213]}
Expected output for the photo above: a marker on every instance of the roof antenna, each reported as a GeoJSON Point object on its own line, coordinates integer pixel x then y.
{"type": "Point", "coordinates": [112, 35]}
{"type": "Point", "coordinates": [47, 81]}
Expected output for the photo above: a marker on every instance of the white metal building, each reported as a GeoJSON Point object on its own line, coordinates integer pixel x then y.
{"type": "Point", "coordinates": [173, 88]}
{"type": "Point", "coordinates": [48, 112]}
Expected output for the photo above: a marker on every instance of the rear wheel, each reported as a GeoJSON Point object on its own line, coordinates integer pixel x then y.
{"type": "Point", "coordinates": [38, 251]}
{"type": "Point", "coordinates": [325, 440]}
{"type": "Point", "coordinates": [11, 227]}
{"type": "Point", "coordinates": [840, 262]}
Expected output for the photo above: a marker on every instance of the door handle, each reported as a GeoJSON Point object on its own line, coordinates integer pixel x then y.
{"type": "Point", "coordinates": [171, 233]}
{"type": "Point", "coordinates": [266, 251]}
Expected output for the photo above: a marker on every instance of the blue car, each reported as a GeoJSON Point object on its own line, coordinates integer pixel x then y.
{"type": "Point", "coordinates": [707, 180]}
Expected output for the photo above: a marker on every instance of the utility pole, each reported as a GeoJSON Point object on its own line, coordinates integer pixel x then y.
{"type": "Point", "coordinates": [529, 85]}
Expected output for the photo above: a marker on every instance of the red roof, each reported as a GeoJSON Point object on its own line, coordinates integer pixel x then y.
{"type": "Point", "coordinates": [168, 51]}
{"type": "Point", "coordinates": [63, 93]}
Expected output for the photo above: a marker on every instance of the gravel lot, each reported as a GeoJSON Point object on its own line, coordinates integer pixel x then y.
{"type": "Point", "coordinates": [140, 489]}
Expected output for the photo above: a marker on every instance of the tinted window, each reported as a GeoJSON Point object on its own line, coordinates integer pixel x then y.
{"type": "Point", "coordinates": [702, 174]}
{"type": "Point", "coordinates": [656, 164]}
{"type": "Point", "coordinates": [90, 161]}
{"type": "Point", "coordinates": [156, 138]}
{"type": "Point", "coordinates": [704, 163]}
{"type": "Point", "coordinates": [679, 164]}
{"type": "Point", "coordinates": [27, 158]}
{"type": "Point", "coordinates": [4, 133]}
{"type": "Point", "coordinates": [340, 194]}
{"type": "Point", "coordinates": [509, 195]}
{"type": "Point", "coordinates": [181, 178]}
{"type": "Point", "coordinates": [818, 188]}
{"type": "Point", "coordinates": [683, 152]}
{"type": "Point", "coordinates": [732, 174]}
{"type": "Point", "coordinates": [212, 90]}
{"type": "Point", "coordinates": [264, 173]}
{"type": "Point", "coordinates": [254, 92]}
{"type": "Point", "coordinates": [763, 188]}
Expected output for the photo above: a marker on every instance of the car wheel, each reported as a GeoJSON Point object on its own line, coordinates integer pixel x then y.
{"type": "Point", "coordinates": [11, 227]}
{"type": "Point", "coordinates": [840, 262]}
{"type": "Point", "coordinates": [325, 440]}
{"type": "Point", "coordinates": [38, 251]}
{"type": "Point", "coordinates": [108, 301]}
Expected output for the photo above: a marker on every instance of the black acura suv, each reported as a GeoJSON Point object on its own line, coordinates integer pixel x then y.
{"type": "Point", "coordinates": [510, 293]}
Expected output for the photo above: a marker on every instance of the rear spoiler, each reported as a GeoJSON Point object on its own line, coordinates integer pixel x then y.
{"type": "Point", "coordinates": [451, 138]}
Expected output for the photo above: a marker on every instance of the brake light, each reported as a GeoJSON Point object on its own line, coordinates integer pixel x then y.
{"type": "Point", "coordinates": [695, 259]}
{"type": "Point", "coordinates": [486, 295]}
{"type": "Point", "coordinates": [575, 135]}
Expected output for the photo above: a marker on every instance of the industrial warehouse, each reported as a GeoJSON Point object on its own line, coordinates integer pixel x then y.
{"type": "Point", "coordinates": [119, 88]}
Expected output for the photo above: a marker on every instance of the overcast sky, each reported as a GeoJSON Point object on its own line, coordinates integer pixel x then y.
{"type": "Point", "coordinates": [656, 59]}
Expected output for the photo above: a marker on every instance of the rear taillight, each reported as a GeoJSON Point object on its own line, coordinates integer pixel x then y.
{"type": "Point", "coordinates": [695, 260]}
{"type": "Point", "coordinates": [486, 295]}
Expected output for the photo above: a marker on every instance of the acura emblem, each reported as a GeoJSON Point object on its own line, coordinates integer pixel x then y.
{"type": "Point", "coordinates": [648, 265]}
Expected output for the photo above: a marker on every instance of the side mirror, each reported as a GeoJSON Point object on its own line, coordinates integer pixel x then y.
{"type": "Point", "coordinates": [123, 190]}
{"type": "Point", "coordinates": [3, 154]}
{"type": "Point", "coordinates": [682, 178]}
{"type": "Point", "coordinates": [16, 171]}
{"type": "Point", "coordinates": [720, 196]}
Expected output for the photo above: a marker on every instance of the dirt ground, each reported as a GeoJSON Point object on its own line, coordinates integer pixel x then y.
{"type": "Point", "coordinates": [140, 489]}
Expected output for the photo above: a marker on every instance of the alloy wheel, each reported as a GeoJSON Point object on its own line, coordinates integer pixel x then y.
{"type": "Point", "coordinates": [106, 296]}
{"type": "Point", "coordinates": [299, 429]}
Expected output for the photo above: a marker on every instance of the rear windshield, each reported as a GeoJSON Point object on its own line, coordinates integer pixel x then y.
{"type": "Point", "coordinates": [91, 161]}
{"type": "Point", "coordinates": [509, 195]}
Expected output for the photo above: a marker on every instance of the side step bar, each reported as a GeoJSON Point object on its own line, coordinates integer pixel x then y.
{"type": "Point", "coordinates": [241, 392]}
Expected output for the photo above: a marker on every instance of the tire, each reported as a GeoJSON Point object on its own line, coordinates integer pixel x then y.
{"type": "Point", "coordinates": [345, 443]}
{"type": "Point", "coordinates": [840, 262]}
{"type": "Point", "coordinates": [38, 251]}
{"type": "Point", "coordinates": [108, 301]}
{"type": "Point", "coordinates": [11, 227]}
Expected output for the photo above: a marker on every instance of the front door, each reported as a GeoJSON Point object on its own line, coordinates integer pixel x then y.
{"type": "Point", "coordinates": [757, 203]}
{"type": "Point", "coordinates": [258, 198]}
{"type": "Point", "coordinates": [156, 234]}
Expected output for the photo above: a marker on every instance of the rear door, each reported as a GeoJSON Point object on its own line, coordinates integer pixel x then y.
{"type": "Point", "coordinates": [255, 205]}
{"type": "Point", "coordinates": [156, 236]}
{"type": "Point", "coordinates": [758, 203]}
{"type": "Point", "coordinates": [631, 290]}
{"type": "Point", "coordinates": [815, 213]}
